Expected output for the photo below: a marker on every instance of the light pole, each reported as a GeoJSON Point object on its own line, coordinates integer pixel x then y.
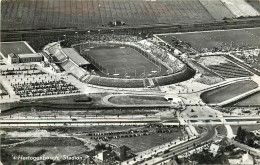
{"type": "Point", "coordinates": [112, 32]}
{"type": "Point", "coordinates": [89, 38]}
{"type": "Point", "coordinates": [77, 34]}
{"type": "Point", "coordinates": [99, 34]}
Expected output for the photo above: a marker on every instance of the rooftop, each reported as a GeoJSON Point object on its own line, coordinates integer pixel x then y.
{"type": "Point", "coordinates": [12, 55]}
{"type": "Point", "coordinates": [75, 56]}
{"type": "Point", "coordinates": [31, 55]}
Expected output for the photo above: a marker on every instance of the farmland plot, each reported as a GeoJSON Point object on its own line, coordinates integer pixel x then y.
{"type": "Point", "coordinates": [223, 39]}
{"type": "Point", "coordinates": [255, 4]}
{"type": "Point", "coordinates": [217, 9]}
{"type": "Point", "coordinates": [240, 8]}
{"type": "Point", "coordinates": [57, 14]}
{"type": "Point", "coordinates": [94, 13]}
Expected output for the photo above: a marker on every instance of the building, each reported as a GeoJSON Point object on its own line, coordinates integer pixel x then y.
{"type": "Point", "coordinates": [214, 149]}
{"type": "Point", "coordinates": [123, 152]}
{"type": "Point", "coordinates": [47, 58]}
{"type": "Point", "coordinates": [55, 68]}
{"type": "Point", "coordinates": [75, 57]}
{"type": "Point", "coordinates": [26, 58]}
{"type": "Point", "coordinates": [13, 59]}
{"type": "Point", "coordinates": [106, 157]}
{"type": "Point", "coordinates": [247, 159]}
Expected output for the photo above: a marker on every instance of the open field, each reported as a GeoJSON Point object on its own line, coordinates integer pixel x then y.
{"type": "Point", "coordinates": [28, 14]}
{"type": "Point", "coordinates": [41, 14]}
{"type": "Point", "coordinates": [123, 61]}
{"type": "Point", "coordinates": [221, 39]}
{"type": "Point", "coordinates": [217, 9]}
{"type": "Point", "coordinates": [255, 4]}
{"type": "Point", "coordinates": [14, 47]}
{"type": "Point", "coordinates": [222, 130]}
{"type": "Point", "coordinates": [53, 141]}
{"type": "Point", "coordinates": [227, 92]}
{"type": "Point", "coordinates": [150, 141]}
{"type": "Point", "coordinates": [138, 100]}
{"type": "Point", "coordinates": [253, 100]}
{"type": "Point", "coordinates": [240, 8]}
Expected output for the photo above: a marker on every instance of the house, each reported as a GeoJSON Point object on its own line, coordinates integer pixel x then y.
{"type": "Point", "coordinates": [123, 152]}
{"type": "Point", "coordinates": [247, 159]}
{"type": "Point", "coordinates": [105, 157]}
{"type": "Point", "coordinates": [214, 149]}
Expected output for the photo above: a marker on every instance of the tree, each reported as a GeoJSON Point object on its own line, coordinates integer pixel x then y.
{"type": "Point", "coordinates": [177, 159]}
{"type": "Point", "coordinates": [239, 131]}
{"type": "Point", "coordinates": [250, 142]}
{"type": "Point", "coordinates": [48, 161]}
{"type": "Point", "coordinates": [243, 135]}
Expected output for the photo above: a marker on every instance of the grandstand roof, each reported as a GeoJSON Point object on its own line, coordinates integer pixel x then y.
{"type": "Point", "coordinates": [72, 68]}
{"type": "Point", "coordinates": [57, 54]}
{"type": "Point", "coordinates": [75, 56]}
{"type": "Point", "coordinates": [31, 55]}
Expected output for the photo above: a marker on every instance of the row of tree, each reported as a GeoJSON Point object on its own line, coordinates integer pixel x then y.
{"type": "Point", "coordinates": [247, 137]}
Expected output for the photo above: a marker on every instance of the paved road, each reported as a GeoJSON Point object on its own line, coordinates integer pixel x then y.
{"type": "Point", "coordinates": [180, 149]}
{"type": "Point", "coordinates": [253, 151]}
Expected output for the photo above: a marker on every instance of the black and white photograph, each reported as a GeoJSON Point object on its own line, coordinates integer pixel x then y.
{"type": "Point", "coordinates": [129, 82]}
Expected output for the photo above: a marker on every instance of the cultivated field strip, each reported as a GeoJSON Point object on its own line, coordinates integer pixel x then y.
{"type": "Point", "coordinates": [46, 14]}
{"type": "Point", "coordinates": [255, 4]}
{"type": "Point", "coordinates": [240, 8]}
{"type": "Point", "coordinates": [217, 9]}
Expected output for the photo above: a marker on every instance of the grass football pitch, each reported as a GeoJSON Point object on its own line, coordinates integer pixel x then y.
{"type": "Point", "coordinates": [124, 61]}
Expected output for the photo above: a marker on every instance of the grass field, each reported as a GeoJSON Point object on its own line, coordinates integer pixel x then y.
{"type": "Point", "coordinates": [253, 100]}
{"type": "Point", "coordinates": [138, 100]}
{"type": "Point", "coordinates": [142, 143]}
{"type": "Point", "coordinates": [124, 61]}
{"type": "Point", "coordinates": [227, 92]}
{"type": "Point", "coordinates": [14, 47]}
{"type": "Point", "coordinates": [222, 130]}
{"type": "Point", "coordinates": [218, 39]}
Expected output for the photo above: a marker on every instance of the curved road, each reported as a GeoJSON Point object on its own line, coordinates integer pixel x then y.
{"type": "Point", "coordinates": [182, 148]}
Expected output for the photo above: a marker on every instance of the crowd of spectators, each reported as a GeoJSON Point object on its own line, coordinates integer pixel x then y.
{"type": "Point", "coordinates": [162, 54]}
{"type": "Point", "coordinates": [116, 82]}
{"type": "Point", "coordinates": [175, 78]}
{"type": "Point", "coordinates": [88, 38]}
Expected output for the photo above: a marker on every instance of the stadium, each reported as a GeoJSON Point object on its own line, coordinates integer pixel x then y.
{"type": "Point", "coordinates": [120, 64]}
